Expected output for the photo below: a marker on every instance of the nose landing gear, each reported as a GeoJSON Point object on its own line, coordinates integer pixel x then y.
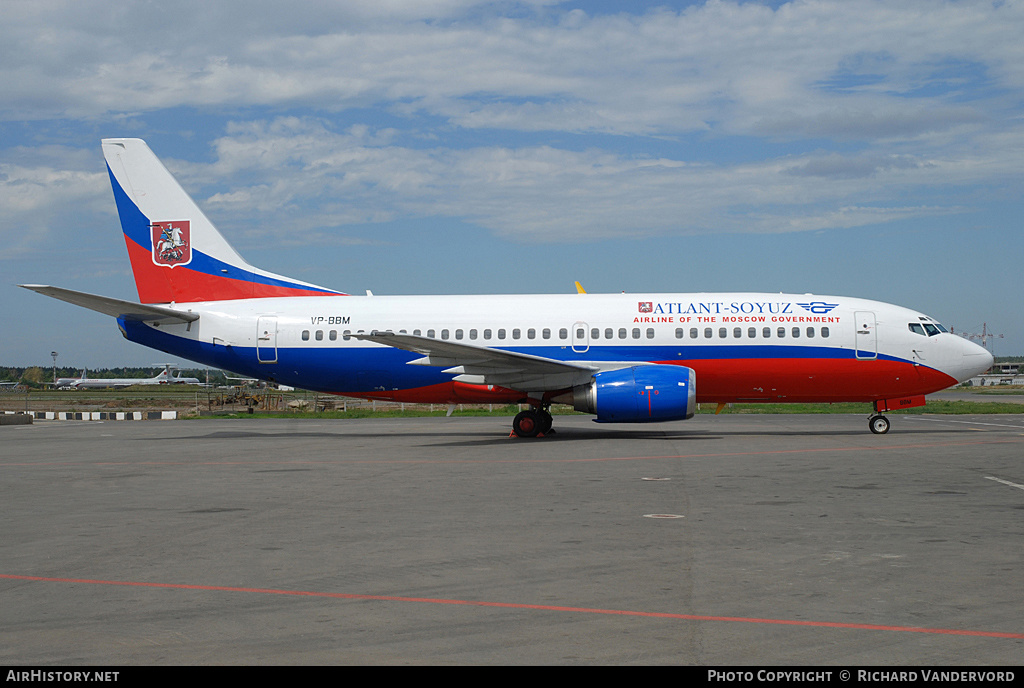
{"type": "Point", "coordinates": [879, 424]}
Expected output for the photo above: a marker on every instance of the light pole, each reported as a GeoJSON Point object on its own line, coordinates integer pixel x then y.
{"type": "Point", "coordinates": [54, 354]}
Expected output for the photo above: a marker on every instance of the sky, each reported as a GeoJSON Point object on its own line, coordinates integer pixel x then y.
{"type": "Point", "coordinates": [852, 147]}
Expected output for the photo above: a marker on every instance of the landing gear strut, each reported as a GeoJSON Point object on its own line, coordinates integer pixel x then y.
{"type": "Point", "coordinates": [879, 424]}
{"type": "Point", "coordinates": [532, 422]}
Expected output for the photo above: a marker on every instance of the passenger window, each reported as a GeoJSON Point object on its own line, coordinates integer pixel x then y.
{"type": "Point", "coordinates": [487, 334]}
{"type": "Point", "coordinates": [751, 332]}
{"type": "Point", "coordinates": [782, 333]}
{"type": "Point", "coordinates": [501, 333]}
{"type": "Point", "coordinates": [810, 333]}
{"type": "Point", "coordinates": [737, 332]}
{"type": "Point", "coordinates": [531, 333]}
{"type": "Point", "coordinates": [707, 333]}
{"type": "Point", "coordinates": [622, 333]}
{"type": "Point", "coordinates": [609, 333]}
{"type": "Point", "coordinates": [472, 334]}
{"type": "Point", "coordinates": [766, 333]}
{"type": "Point", "coordinates": [824, 332]}
{"type": "Point", "coordinates": [679, 333]}
{"type": "Point", "coordinates": [650, 333]}
{"type": "Point", "coordinates": [595, 333]}
{"type": "Point", "coordinates": [722, 333]}
{"type": "Point", "coordinates": [346, 335]}
{"type": "Point", "coordinates": [563, 333]}
{"type": "Point", "coordinates": [796, 333]}
{"type": "Point", "coordinates": [458, 334]}
{"type": "Point", "coordinates": [580, 333]}
{"type": "Point", "coordinates": [319, 335]}
{"type": "Point", "coordinates": [516, 333]}
{"type": "Point", "coordinates": [693, 333]}
{"type": "Point", "coordinates": [305, 335]}
{"type": "Point", "coordinates": [636, 333]}
{"type": "Point", "coordinates": [444, 334]}
{"type": "Point", "coordinates": [417, 332]}
{"type": "Point", "coordinates": [430, 333]}
{"type": "Point", "coordinates": [333, 335]}
{"type": "Point", "coordinates": [546, 333]}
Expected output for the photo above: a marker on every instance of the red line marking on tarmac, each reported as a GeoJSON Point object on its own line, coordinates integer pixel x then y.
{"type": "Point", "coordinates": [512, 605]}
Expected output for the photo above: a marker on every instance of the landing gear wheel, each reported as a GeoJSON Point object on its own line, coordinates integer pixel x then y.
{"type": "Point", "coordinates": [545, 422]}
{"type": "Point", "coordinates": [878, 424]}
{"type": "Point", "coordinates": [527, 424]}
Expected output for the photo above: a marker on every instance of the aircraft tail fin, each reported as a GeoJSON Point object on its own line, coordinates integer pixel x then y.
{"type": "Point", "coordinates": [177, 254]}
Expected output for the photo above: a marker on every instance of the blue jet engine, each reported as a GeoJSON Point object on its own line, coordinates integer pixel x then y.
{"type": "Point", "coordinates": [641, 394]}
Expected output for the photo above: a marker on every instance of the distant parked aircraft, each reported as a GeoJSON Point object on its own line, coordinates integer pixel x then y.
{"type": "Point", "coordinates": [164, 378]}
{"type": "Point", "coordinates": [68, 382]}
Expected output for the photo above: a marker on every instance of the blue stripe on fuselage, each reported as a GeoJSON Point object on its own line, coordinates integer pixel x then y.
{"type": "Point", "coordinates": [350, 369]}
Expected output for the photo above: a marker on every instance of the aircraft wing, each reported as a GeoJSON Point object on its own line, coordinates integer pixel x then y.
{"type": "Point", "coordinates": [481, 365]}
{"type": "Point", "coordinates": [115, 307]}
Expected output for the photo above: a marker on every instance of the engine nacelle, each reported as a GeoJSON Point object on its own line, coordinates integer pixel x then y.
{"type": "Point", "coordinates": [641, 394]}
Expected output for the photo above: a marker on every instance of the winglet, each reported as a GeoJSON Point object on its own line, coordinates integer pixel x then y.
{"type": "Point", "coordinates": [579, 288]}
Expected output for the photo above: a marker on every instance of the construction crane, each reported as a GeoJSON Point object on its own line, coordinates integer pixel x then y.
{"type": "Point", "coordinates": [983, 336]}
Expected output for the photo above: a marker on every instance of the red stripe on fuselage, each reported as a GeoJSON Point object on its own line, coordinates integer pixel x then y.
{"type": "Point", "coordinates": [446, 393]}
{"type": "Point", "coordinates": [181, 284]}
{"type": "Point", "coordinates": [751, 380]}
{"type": "Point", "coordinates": [736, 380]}
{"type": "Point", "coordinates": [812, 380]}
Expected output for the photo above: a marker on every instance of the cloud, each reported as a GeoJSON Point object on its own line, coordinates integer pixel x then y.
{"type": "Point", "coordinates": [816, 68]}
{"type": "Point", "coordinates": [292, 176]}
{"type": "Point", "coordinates": [534, 123]}
{"type": "Point", "coordinates": [838, 166]}
{"type": "Point", "coordinates": [46, 191]}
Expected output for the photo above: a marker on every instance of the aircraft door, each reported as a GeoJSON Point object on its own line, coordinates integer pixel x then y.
{"type": "Point", "coordinates": [580, 337]}
{"type": "Point", "coordinates": [266, 339]}
{"type": "Point", "coordinates": [866, 337]}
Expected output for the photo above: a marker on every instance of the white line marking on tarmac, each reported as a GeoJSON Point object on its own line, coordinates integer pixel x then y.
{"type": "Point", "coordinates": [1005, 482]}
{"type": "Point", "coordinates": [967, 422]}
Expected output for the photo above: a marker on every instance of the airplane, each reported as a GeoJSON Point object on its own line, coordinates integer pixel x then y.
{"type": "Point", "coordinates": [67, 382]}
{"type": "Point", "coordinates": [164, 378]}
{"type": "Point", "coordinates": [625, 358]}
{"type": "Point", "coordinates": [178, 379]}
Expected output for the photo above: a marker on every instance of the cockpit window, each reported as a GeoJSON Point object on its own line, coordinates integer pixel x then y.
{"type": "Point", "coordinates": [929, 329]}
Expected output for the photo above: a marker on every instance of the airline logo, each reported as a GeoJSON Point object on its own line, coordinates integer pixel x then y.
{"type": "Point", "coordinates": [172, 245]}
{"type": "Point", "coordinates": [646, 307]}
{"type": "Point", "coordinates": [818, 307]}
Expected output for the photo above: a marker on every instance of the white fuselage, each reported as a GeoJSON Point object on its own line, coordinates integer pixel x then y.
{"type": "Point", "coordinates": [744, 346]}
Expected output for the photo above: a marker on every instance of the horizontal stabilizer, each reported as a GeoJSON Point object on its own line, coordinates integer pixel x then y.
{"type": "Point", "coordinates": [127, 310]}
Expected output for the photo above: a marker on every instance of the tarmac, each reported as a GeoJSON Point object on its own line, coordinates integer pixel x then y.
{"type": "Point", "coordinates": [754, 540]}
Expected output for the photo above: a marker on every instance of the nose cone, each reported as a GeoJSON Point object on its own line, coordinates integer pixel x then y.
{"type": "Point", "coordinates": [976, 360]}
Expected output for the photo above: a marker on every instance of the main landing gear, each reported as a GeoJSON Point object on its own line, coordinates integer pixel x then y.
{"type": "Point", "coordinates": [532, 423]}
{"type": "Point", "coordinates": [879, 424]}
